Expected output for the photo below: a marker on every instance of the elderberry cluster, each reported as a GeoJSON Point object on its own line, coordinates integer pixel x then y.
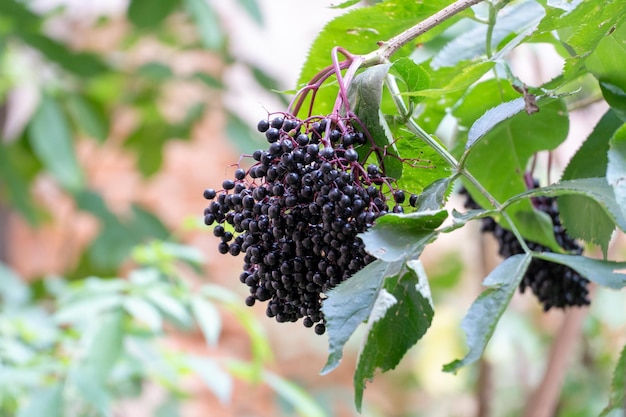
{"type": "Point", "coordinates": [555, 285]}
{"type": "Point", "coordinates": [296, 212]}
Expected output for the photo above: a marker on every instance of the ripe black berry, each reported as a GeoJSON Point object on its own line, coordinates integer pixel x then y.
{"type": "Point", "coordinates": [263, 125]}
{"type": "Point", "coordinates": [296, 214]}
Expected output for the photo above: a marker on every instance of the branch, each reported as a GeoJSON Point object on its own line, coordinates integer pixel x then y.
{"type": "Point", "coordinates": [390, 47]}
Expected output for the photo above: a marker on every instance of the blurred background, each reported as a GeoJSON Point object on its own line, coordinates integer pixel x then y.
{"type": "Point", "coordinates": [114, 117]}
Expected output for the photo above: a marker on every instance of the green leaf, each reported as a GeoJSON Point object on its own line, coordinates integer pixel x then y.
{"type": "Point", "coordinates": [456, 79]}
{"type": "Point", "coordinates": [44, 402]}
{"type": "Point", "coordinates": [302, 402]}
{"type": "Point", "coordinates": [600, 272]}
{"type": "Point", "coordinates": [105, 345]}
{"type": "Point", "coordinates": [590, 160]}
{"type": "Point", "coordinates": [170, 306]}
{"type": "Point", "coordinates": [155, 71]}
{"type": "Point", "coordinates": [82, 64]}
{"type": "Point", "coordinates": [616, 171]}
{"type": "Point", "coordinates": [616, 97]}
{"type": "Point", "coordinates": [51, 141]}
{"type": "Point", "coordinates": [144, 312]}
{"type": "Point", "coordinates": [253, 10]}
{"type": "Point", "coordinates": [617, 395]}
{"type": "Point", "coordinates": [422, 165]}
{"type": "Point", "coordinates": [400, 316]}
{"type": "Point", "coordinates": [484, 314]}
{"type": "Point", "coordinates": [208, 319]}
{"type": "Point", "coordinates": [348, 305]}
{"type": "Point", "coordinates": [93, 391]}
{"type": "Point", "coordinates": [400, 236]}
{"type": "Point", "coordinates": [86, 114]}
{"type": "Point", "coordinates": [207, 23]}
{"type": "Point", "coordinates": [87, 308]}
{"type": "Point", "coordinates": [359, 30]}
{"type": "Point", "coordinates": [597, 208]}
{"type": "Point", "coordinates": [434, 196]}
{"type": "Point", "coordinates": [345, 4]}
{"type": "Point", "coordinates": [241, 135]}
{"type": "Point", "coordinates": [215, 378]}
{"type": "Point", "coordinates": [145, 224]}
{"type": "Point", "coordinates": [13, 291]}
{"type": "Point", "coordinates": [606, 63]}
{"type": "Point", "coordinates": [414, 77]}
{"type": "Point", "coordinates": [365, 94]}
{"type": "Point", "coordinates": [16, 187]}
{"type": "Point", "coordinates": [149, 14]}
{"type": "Point", "coordinates": [507, 148]}
{"type": "Point", "coordinates": [516, 18]}
{"type": "Point", "coordinates": [590, 24]}
{"type": "Point", "coordinates": [209, 80]}
{"type": "Point", "coordinates": [492, 118]}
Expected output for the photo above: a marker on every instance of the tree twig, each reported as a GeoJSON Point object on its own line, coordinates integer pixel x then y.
{"type": "Point", "coordinates": [388, 48]}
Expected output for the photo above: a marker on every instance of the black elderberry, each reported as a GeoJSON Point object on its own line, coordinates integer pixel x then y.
{"type": "Point", "coordinates": [296, 214]}
{"type": "Point", "coordinates": [263, 125]}
{"type": "Point", "coordinates": [351, 155]}
{"type": "Point", "coordinates": [209, 194]}
{"type": "Point", "coordinates": [277, 122]}
{"type": "Point", "coordinates": [228, 184]}
{"type": "Point", "coordinates": [240, 174]}
{"type": "Point", "coordinates": [289, 125]}
{"type": "Point", "coordinates": [272, 134]}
